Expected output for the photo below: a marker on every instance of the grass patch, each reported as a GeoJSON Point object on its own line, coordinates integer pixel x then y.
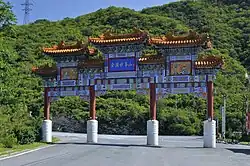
{"type": "Point", "coordinates": [55, 139]}
{"type": "Point", "coordinates": [244, 143]}
{"type": "Point", "coordinates": [20, 148]}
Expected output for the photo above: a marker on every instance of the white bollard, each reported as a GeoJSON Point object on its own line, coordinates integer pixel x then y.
{"type": "Point", "coordinates": [152, 132]}
{"type": "Point", "coordinates": [92, 131]}
{"type": "Point", "coordinates": [209, 134]}
{"type": "Point", "coordinates": [47, 131]}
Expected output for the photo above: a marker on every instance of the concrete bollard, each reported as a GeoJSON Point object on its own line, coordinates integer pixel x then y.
{"type": "Point", "coordinates": [209, 134]}
{"type": "Point", "coordinates": [152, 132]}
{"type": "Point", "coordinates": [92, 131]}
{"type": "Point", "coordinates": [47, 131]}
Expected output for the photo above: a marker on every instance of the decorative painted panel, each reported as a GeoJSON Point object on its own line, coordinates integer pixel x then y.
{"type": "Point", "coordinates": [89, 71]}
{"type": "Point", "coordinates": [101, 87]}
{"type": "Point", "coordinates": [50, 83]}
{"type": "Point", "coordinates": [68, 83]}
{"type": "Point", "coordinates": [177, 58]}
{"type": "Point", "coordinates": [69, 73]}
{"type": "Point", "coordinates": [104, 87]}
{"type": "Point", "coordinates": [122, 87]}
{"type": "Point", "coordinates": [121, 81]}
{"type": "Point", "coordinates": [151, 67]}
{"type": "Point", "coordinates": [181, 85]}
{"type": "Point", "coordinates": [67, 64]}
{"type": "Point", "coordinates": [199, 89]}
{"type": "Point", "coordinates": [180, 78]}
{"type": "Point", "coordinates": [112, 55]}
{"type": "Point", "coordinates": [83, 82]}
{"type": "Point", "coordinates": [200, 78]}
{"type": "Point", "coordinates": [180, 67]}
{"type": "Point", "coordinates": [205, 72]}
{"type": "Point", "coordinates": [180, 90]}
{"type": "Point", "coordinates": [131, 54]}
{"type": "Point", "coordinates": [121, 74]}
{"type": "Point", "coordinates": [142, 86]}
{"type": "Point", "coordinates": [82, 93]}
{"type": "Point", "coordinates": [162, 91]}
{"type": "Point", "coordinates": [67, 93]}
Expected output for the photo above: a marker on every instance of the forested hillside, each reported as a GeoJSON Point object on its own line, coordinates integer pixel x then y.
{"type": "Point", "coordinates": [227, 22]}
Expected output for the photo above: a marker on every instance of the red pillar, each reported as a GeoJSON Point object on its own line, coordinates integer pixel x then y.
{"type": "Point", "coordinates": [92, 103]}
{"type": "Point", "coordinates": [46, 104]}
{"type": "Point", "coordinates": [152, 101]}
{"type": "Point", "coordinates": [210, 100]}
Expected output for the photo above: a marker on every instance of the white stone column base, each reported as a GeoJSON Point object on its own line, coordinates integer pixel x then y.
{"type": "Point", "coordinates": [47, 131]}
{"type": "Point", "coordinates": [92, 131]}
{"type": "Point", "coordinates": [152, 132]}
{"type": "Point", "coordinates": [209, 134]}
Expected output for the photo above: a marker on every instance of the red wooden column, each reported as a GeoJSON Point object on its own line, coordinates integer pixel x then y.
{"type": "Point", "coordinates": [152, 101]}
{"type": "Point", "coordinates": [210, 100]}
{"type": "Point", "coordinates": [92, 103]}
{"type": "Point", "coordinates": [46, 104]}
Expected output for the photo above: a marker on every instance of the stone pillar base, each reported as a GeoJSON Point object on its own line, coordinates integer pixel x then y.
{"type": "Point", "coordinates": [47, 131]}
{"type": "Point", "coordinates": [209, 134]}
{"type": "Point", "coordinates": [92, 131]}
{"type": "Point", "coordinates": [152, 132]}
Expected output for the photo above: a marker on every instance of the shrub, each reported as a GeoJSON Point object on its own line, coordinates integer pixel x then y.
{"type": "Point", "coordinates": [26, 135]}
{"type": "Point", "coordinates": [245, 138]}
{"type": "Point", "coordinates": [8, 141]}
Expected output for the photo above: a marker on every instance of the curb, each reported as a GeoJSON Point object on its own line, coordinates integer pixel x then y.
{"type": "Point", "coordinates": [16, 154]}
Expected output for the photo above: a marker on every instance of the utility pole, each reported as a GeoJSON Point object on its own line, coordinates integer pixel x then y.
{"type": "Point", "coordinates": [246, 114]}
{"type": "Point", "coordinates": [26, 10]}
{"type": "Point", "coordinates": [223, 116]}
{"type": "Point", "coordinates": [247, 82]}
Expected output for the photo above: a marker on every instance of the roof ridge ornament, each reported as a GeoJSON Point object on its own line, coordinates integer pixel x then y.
{"type": "Point", "coordinates": [209, 61]}
{"type": "Point", "coordinates": [189, 38]}
{"type": "Point", "coordinates": [191, 35]}
{"type": "Point", "coordinates": [138, 30]}
{"type": "Point", "coordinates": [106, 34]}
{"type": "Point", "coordinates": [109, 34]}
{"type": "Point", "coordinates": [137, 35]}
{"type": "Point", "coordinates": [78, 48]}
{"type": "Point", "coordinates": [61, 44]}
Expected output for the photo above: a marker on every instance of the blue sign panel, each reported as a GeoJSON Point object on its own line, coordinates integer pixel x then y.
{"type": "Point", "coordinates": [122, 64]}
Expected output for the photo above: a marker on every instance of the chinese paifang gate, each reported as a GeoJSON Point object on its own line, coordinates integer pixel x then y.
{"type": "Point", "coordinates": [176, 68]}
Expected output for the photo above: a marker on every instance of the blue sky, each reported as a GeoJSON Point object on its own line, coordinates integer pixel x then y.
{"type": "Point", "coordinates": [59, 9]}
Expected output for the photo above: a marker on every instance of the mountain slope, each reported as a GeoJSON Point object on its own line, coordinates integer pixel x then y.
{"type": "Point", "coordinates": [228, 25]}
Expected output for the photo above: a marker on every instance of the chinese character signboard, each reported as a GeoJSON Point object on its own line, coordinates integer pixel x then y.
{"type": "Point", "coordinates": [121, 64]}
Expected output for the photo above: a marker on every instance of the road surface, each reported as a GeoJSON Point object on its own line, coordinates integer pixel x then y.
{"type": "Point", "coordinates": [131, 151]}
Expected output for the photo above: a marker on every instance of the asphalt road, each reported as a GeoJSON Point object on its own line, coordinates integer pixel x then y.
{"type": "Point", "coordinates": [131, 151]}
